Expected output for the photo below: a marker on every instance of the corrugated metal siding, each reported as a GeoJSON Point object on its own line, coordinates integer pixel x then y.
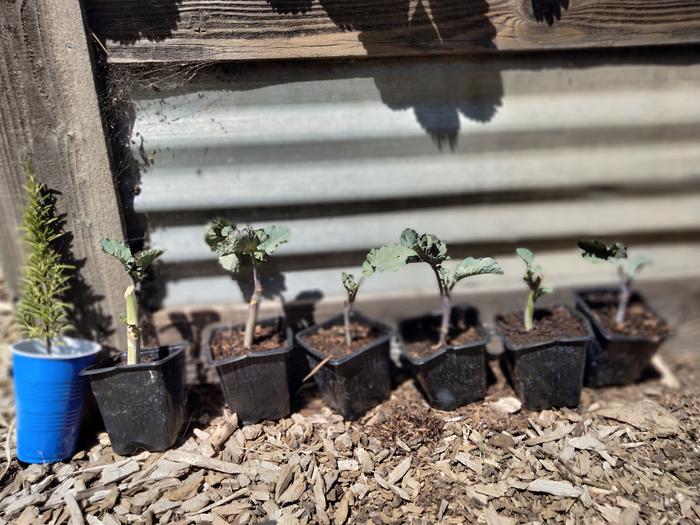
{"type": "Point", "coordinates": [535, 150]}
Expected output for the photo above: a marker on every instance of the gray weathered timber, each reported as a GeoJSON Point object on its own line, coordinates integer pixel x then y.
{"type": "Point", "coordinates": [49, 116]}
{"type": "Point", "coordinates": [192, 31]}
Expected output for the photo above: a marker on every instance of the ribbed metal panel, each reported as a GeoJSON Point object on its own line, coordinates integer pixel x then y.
{"type": "Point", "coordinates": [530, 150]}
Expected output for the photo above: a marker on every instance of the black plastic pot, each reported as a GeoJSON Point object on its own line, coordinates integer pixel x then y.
{"type": "Point", "coordinates": [255, 385]}
{"type": "Point", "coordinates": [143, 405]}
{"type": "Point", "coordinates": [615, 359]}
{"type": "Point", "coordinates": [550, 373]}
{"type": "Point", "coordinates": [354, 384]}
{"type": "Point", "coordinates": [454, 375]}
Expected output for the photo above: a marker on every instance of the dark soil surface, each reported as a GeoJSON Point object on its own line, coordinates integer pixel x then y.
{"type": "Point", "coordinates": [639, 320]}
{"type": "Point", "coordinates": [121, 360]}
{"type": "Point", "coordinates": [330, 341]}
{"type": "Point", "coordinates": [422, 348]}
{"type": "Point", "coordinates": [229, 343]}
{"type": "Point", "coordinates": [550, 325]}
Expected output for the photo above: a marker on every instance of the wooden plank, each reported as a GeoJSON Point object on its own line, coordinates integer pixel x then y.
{"type": "Point", "coordinates": [209, 30]}
{"type": "Point", "coordinates": [49, 116]}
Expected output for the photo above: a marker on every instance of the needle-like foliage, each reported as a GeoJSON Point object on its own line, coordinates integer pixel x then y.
{"type": "Point", "coordinates": [42, 312]}
{"type": "Point", "coordinates": [414, 247]}
{"type": "Point", "coordinates": [597, 251]}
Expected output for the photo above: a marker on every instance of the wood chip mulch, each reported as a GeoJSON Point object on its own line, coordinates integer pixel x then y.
{"type": "Point", "coordinates": [627, 455]}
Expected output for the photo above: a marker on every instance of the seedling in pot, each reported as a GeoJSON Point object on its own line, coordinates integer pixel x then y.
{"type": "Point", "coordinates": [235, 245]}
{"type": "Point", "coordinates": [533, 278]}
{"type": "Point", "coordinates": [42, 312]}
{"type": "Point", "coordinates": [136, 266]}
{"type": "Point", "coordinates": [597, 251]}
{"type": "Point", "coordinates": [414, 247]}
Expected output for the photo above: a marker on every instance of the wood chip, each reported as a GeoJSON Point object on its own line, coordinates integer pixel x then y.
{"type": "Point", "coordinates": [399, 471]}
{"type": "Point", "coordinates": [197, 460]}
{"type": "Point", "coordinates": [645, 415]}
{"type": "Point", "coordinates": [556, 488]}
{"type": "Point", "coordinates": [76, 513]}
{"type": "Point", "coordinates": [507, 405]}
{"type": "Point", "coordinates": [491, 517]}
{"type": "Point", "coordinates": [365, 460]}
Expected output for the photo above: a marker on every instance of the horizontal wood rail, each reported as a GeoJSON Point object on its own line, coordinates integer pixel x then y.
{"type": "Point", "coordinates": [193, 31]}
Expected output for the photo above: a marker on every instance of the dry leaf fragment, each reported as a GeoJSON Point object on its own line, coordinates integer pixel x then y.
{"type": "Point", "coordinates": [556, 488]}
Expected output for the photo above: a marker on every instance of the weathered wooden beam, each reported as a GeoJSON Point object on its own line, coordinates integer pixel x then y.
{"type": "Point", "coordinates": [49, 116]}
{"type": "Point", "coordinates": [194, 31]}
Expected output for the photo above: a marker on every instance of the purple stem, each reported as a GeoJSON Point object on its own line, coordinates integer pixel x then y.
{"type": "Point", "coordinates": [253, 308]}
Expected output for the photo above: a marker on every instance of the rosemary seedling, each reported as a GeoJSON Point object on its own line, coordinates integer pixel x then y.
{"type": "Point", "coordinates": [42, 311]}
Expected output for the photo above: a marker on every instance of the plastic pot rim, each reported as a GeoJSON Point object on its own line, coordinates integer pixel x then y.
{"type": "Point", "coordinates": [211, 328]}
{"type": "Point", "coordinates": [94, 349]}
{"type": "Point", "coordinates": [602, 329]}
{"type": "Point", "coordinates": [387, 335]}
{"type": "Point", "coordinates": [510, 347]}
{"type": "Point", "coordinates": [175, 350]}
{"type": "Point", "coordinates": [454, 349]}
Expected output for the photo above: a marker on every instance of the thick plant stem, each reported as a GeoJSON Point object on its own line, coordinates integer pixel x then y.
{"type": "Point", "coordinates": [253, 308]}
{"type": "Point", "coordinates": [529, 311]}
{"type": "Point", "coordinates": [48, 345]}
{"type": "Point", "coordinates": [446, 303]}
{"type": "Point", "coordinates": [346, 319]}
{"type": "Point", "coordinates": [133, 339]}
{"type": "Point", "coordinates": [624, 297]}
{"type": "Point", "coordinates": [445, 323]}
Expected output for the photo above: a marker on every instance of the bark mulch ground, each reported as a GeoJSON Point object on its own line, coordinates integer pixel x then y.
{"type": "Point", "coordinates": [627, 455]}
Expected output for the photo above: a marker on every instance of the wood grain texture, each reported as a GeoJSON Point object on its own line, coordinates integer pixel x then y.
{"type": "Point", "coordinates": [209, 30]}
{"type": "Point", "coordinates": [49, 116]}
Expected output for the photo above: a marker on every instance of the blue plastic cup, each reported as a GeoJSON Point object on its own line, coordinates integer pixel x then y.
{"type": "Point", "coordinates": [49, 396]}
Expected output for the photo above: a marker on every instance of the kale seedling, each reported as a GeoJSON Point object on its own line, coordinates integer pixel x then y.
{"type": "Point", "coordinates": [533, 279]}
{"type": "Point", "coordinates": [233, 244]}
{"type": "Point", "coordinates": [136, 266]}
{"type": "Point", "coordinates": [42, 313]}
{"type": "Point", "coordinates": [427, 248]}
{"type": "Point", "coordinates": [351, 287]}
{"type": "Point", "coordinates": [597, 251]}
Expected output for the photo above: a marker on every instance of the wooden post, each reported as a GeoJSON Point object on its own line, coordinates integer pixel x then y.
{"type": "Point", "coordinates": [49, 116]}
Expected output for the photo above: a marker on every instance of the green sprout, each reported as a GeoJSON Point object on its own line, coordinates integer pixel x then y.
{"type": "Point", "coordinates": [414, 247]}
{"type": "Point", "coordinates": [597, 251]}
{"type": "Point", "coordinates": [533, 278]}
{"type": "Point", "coordinates": [136, 266]}
{"type": "Point", "coordinates": [42, 312]}
{"type": "Point", "coordinates": [234, 245]}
